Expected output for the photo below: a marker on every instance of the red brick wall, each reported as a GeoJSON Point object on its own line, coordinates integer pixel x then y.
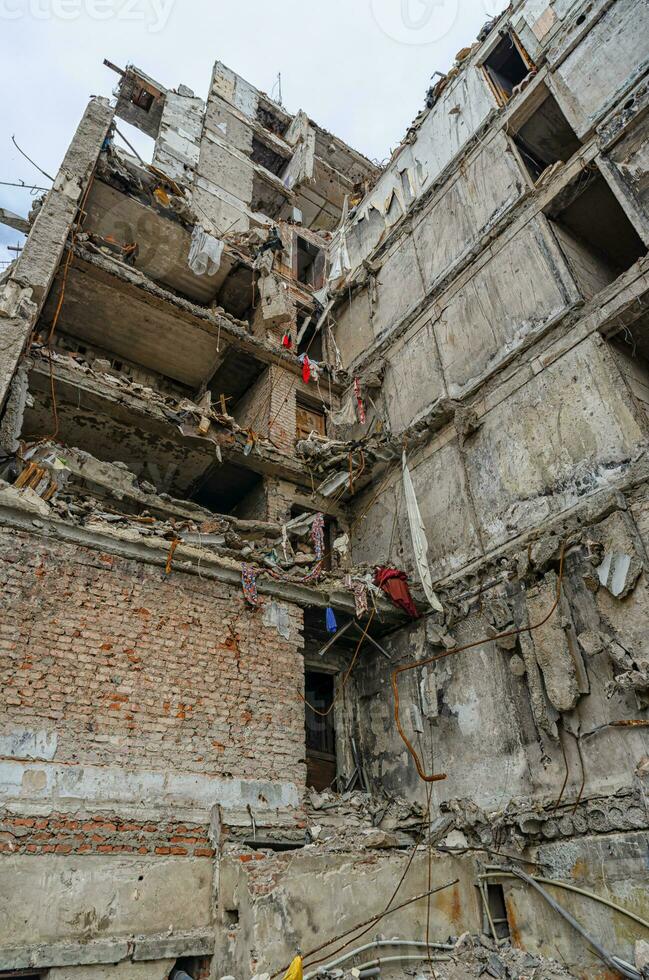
{"type": "Point", "coordinates": [135, 668]}
{"type": "Point", "coordinates": [83, 833]}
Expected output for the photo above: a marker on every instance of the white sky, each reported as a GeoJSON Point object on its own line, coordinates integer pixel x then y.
{"type": "Point", "coordinates": [360, 68]}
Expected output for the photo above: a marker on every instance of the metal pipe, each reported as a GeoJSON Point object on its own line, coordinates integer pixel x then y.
{"type": "Point", "coordinates": [624, 969]}
{"type": "Point", "coordinates": [485, 901]}
{"type": "Point", "coordinates": [377, 944]}
{"type": "Point", "coordinates": [497, 873]}
{"type": "Point", "coordinates": [409, 958]}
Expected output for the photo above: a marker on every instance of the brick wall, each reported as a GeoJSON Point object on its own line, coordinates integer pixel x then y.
{"type": "Point", "coordinates": [269, 407]}
{"type": "Point", "coordinates": [87, 833]}
{"type": "Point", "coordinates": [134, 668]}
{"type": "Point", "coordinates": [271, 500]}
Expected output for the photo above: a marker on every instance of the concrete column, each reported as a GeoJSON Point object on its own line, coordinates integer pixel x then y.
{"type": "Point", "coordinates": [23, 293]}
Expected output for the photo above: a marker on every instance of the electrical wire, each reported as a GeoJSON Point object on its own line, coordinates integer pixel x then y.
{"type": "Point", "coordinates": [22, 152]}
{"type": "Point", "coordinates": [341, 686]}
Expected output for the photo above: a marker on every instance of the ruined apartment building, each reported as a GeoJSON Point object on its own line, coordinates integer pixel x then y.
{"type": "Point", "coordinates": [281, 426]}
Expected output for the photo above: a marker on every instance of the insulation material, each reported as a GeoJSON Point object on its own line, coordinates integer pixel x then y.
{"type": "Point", "coordinates": [419, 539]}
{"type": "Point", "coordinates": [205, 253]}
{"type": "Point", "coordinates": [341, 263]}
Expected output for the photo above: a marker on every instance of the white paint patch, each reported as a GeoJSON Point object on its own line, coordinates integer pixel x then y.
{"type": "Point", "coordinates": [25, 744]}
{"type": "Point", "coordinates": [109, 784]}
{"type": "Point", "coordinates": [468, 714]}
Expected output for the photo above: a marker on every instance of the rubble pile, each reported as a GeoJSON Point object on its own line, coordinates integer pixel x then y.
{"type": "Point", "coordinates": [471, 956]}
{"type": "Point", "coordinates": [340, 821]}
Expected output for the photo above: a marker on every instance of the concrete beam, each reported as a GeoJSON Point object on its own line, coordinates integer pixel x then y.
{"type": "Point", "coordinates": [187, 559]}
{"type": "Point", "coordinates": [23, 295]}
{"type": "Point", "coordinates": [109, 951]}
{"type": "Point", "coordinates": [14, 221]}
{"type": "Point", "coordinates": [132, 283]}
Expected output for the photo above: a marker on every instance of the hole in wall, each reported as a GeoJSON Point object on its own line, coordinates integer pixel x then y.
{"type": "Point", "coordinates": [310, 263]}
{"type": "Point", "coordinates": [506, 67]}
{"type": "Point", "coordinates": [595, 235]}
{"type": "Point", "coordinates": [546, 138]}
{"type": "Point", "coordinates": [497, 911]}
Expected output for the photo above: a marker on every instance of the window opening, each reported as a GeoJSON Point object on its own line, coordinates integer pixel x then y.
{"type": "Point", "coordinates": [546, 138]}
{"type": "Point", "coordinates": [595, 235]}
{"type": "Point", "coordinates": [497, 911]}
{"type": "Point", "coordinates": [320, 732]}
{"type": "Point", "coordinates": [309, 420]}
{"type": "Point", "coordinates": [506, 67]}
{"type": "Point", "coordinates": [309, 263]}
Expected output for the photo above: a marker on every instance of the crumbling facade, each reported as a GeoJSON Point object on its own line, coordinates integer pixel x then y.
{"type": "Point", "coordinates": [324, 529]}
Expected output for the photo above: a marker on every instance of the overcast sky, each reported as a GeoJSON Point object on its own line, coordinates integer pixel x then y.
{"type": "Point", "coordinates": [360, 68]}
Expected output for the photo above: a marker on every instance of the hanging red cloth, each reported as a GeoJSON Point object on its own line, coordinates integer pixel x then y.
{"type": "Point", "coordinates": [359, 401]}
{"type": "Point", "coordinates": [306, 370]}
{"type": "Point", "coordinates": [395, 584]}
{"type": "Point", "coordinates": [287, 341]}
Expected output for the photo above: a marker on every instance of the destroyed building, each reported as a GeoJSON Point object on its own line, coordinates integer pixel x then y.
{"type": "Point", "coordinates": [324, 529]}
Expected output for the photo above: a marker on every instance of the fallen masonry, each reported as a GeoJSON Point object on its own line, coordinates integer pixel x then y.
{"type": "Point", "coordinates": [324, 531]}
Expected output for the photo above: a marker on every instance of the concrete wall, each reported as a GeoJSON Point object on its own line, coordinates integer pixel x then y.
{"type": "Point", "coordinates": [286, 901]}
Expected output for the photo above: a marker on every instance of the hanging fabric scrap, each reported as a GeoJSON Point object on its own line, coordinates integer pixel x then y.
{"type": "Point", "coordinates": [317, 536]}
{"type": "Point", "coordinates": [419, 539]}
{"type": "Point", "coordinates": [294, 971]}
{"type": "Point", "coordinates": [330, 621]}
{"type": "Point", "coordinates": [359, 401]}
{"type": "Point", "coordinates": [249, 586]}
{"type": "Point", "coordinates": [395, 584]}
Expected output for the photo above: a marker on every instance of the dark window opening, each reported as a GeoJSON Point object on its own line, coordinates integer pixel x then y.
{"type": "Point", "coordinates": [232, 917]}
{"type": "Point", "coordinates": [229, 489]}
{"type": "Point", "coordinates": [546, 138]}
{"type": "Point", "coordinates": [20, 975]}
{"type": "Point", "coordinates": [310, 342]}
{"type": "Point", "coordinates": [267, 158]}
{"type": "Point", "coordinates": [320, 731]}
{"type": "Point", "coordinates": [497, 912]}
{"type": "Point", "coordinates": [142, 98]}
{"type": "Point", "coordinates": [506, 67]}
{"type": "Point", "coordinates": [191, 968]}
{"type": "Point", "coordinates": [309, 263]}
{"type": "Point", "coordinates": [595, 235]}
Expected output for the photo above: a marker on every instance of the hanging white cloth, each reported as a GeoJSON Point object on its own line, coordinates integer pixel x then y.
{"type": "Point", "coordinates": [341, 263]}
{"type": "Point", "coordinates": [205, 253]}
{"type": "Point", "coordinates": [419, 539]}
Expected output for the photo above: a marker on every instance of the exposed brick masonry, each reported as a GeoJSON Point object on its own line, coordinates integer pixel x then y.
{"type": "Point", "coordinates": [81, 833]}
{"type": "Point", "coordinates": [138, 669]}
